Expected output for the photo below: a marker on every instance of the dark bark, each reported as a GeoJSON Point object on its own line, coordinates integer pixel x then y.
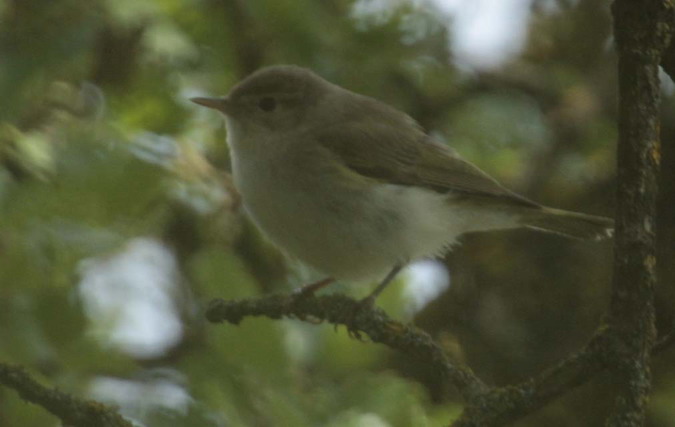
{"type": "Point", "coordinates": [72, 411]}
{"type": "Point", "coordinates": [642, 30]}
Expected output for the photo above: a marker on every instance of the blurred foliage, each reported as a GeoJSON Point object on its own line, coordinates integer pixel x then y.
{"type": "Point", "coordinates": [99, 148]}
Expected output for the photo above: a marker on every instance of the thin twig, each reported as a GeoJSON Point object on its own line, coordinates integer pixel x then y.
{"type": "Point", "coordinates": [373, 322]}
{"type": "Point", "coordinates": [72, 411]}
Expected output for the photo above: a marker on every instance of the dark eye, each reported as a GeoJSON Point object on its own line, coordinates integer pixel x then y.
{"type": "Point", "coordinates": [267, 103]}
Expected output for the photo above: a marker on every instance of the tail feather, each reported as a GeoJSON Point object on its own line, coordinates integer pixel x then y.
{"type": "Point", "coordinates": [571, 224]}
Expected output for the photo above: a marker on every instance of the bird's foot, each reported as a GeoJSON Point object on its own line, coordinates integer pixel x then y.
{"type": "Point", "coordinates": [363, 306]}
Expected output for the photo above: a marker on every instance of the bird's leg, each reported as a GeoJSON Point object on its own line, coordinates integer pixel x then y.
{"type": "Point", "coordinates": [370, 299]}
{"type": "Point", "coordinates": [308, 290]}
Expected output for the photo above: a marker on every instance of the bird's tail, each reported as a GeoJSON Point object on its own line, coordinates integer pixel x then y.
{"type": "Point", "coordinates": [571, 224]}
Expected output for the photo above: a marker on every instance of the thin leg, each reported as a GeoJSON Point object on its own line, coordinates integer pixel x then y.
{"type": "Point", "coordinates": [370, 299]}
{"type": "Point", "coordinates": [368, 302]}
{"type": "Point", "coordinates": [308, 290]}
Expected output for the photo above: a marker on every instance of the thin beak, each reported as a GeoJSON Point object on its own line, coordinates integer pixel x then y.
{"type": "Point", "coordinates": [221, 104]}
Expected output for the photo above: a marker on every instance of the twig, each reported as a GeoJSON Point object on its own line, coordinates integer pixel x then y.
{"type": "Point", "coordinates": [72, 411]}
{"type": "Point", "coordinates": [485, 406]}
{"type": "Point", "coordinates": [342, 310]}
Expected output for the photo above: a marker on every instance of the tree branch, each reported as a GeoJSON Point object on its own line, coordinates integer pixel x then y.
{"type": "Point", "coordinates": [508, 404]}
{"type": "Point", "coordinates": [642, 30]}
{"type": "Point", "coordinates": [72, 411]}
{"type": "Point", "coordinates": [485, 406]}
{"type": "Point", "coordinates": [342, 310]}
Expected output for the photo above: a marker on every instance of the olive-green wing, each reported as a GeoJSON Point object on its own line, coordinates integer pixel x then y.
{"type": "Point", "coordinates": [405, 155]}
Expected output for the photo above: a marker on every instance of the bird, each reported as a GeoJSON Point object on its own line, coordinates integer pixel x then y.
{"type": "Point", "coordinates": [355, 188]}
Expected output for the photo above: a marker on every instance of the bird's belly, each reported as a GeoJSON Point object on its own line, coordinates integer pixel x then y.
{"type": "Point", "coordinates": [338, 238]}
{"type": "Point", "coordinates": [349, 232]}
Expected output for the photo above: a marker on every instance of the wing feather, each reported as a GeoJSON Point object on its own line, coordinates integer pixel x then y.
{"type": "Point", "coordinates": [405, 155]}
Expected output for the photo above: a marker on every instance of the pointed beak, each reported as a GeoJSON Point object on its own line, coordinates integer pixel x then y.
{"type": "Point", "coordinates": [221, 104]}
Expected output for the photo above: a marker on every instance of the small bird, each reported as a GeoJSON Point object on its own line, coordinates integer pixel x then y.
{"type": "Point", "coordinates": [354, 187]}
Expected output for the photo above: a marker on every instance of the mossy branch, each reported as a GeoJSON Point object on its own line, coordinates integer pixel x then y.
{"type": "Point", "coordinates": [72, 411]}
{"type": "Point", "coordinates": [370, 321]}
{"type": "Point", "coordinates": [485, 405]}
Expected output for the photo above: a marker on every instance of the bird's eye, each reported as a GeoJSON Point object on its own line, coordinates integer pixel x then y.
{"type": "Point", "coordinates": [267, 103]}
